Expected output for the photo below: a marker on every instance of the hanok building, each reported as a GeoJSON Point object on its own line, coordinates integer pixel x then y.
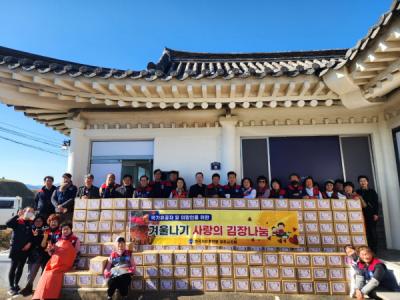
{"type": "Point", "coordinates": [331, 113]}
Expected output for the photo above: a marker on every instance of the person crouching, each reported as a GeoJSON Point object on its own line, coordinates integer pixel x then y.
{"type": "Point", "coordinates": [119, 269]}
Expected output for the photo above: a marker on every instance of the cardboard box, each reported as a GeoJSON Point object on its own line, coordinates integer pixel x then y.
{"type": "Point", "coordinates": [256, 272]}
{"type": "Point", "coordinates": [336, 274]}
{"type": "Point", "coordinates": [181, 271]}
{"type": "Point", "coordinates": [325, 216]}
{"type": "Point", "coordinates": [119, 203]}
{"type": "Point", "coordinates": [139, 272]}
{"type": "Point", "coordinates": [300, 216]}
{"type": "Point", "coordinates": [83, 249]}
{"type": "Point", "coordinates": [268, 204]}
{"type": "Point", "coordinates": [339, 288]}
{"type": "Point", "coordinates": [354, 204]}
{"type": "Point", "coordinates": [341, 227]}
{"type": "Point", "coordinates": [98, 281]}
{"type": "Point", "coordinates": [240, 271]}
{"type": "Point", "coordinates": [355, 216]}
{"type": "Point", "coordinates": [306, 287]}
{"type": "Point", "coordinates": [338, 204]}
{"type": "Point", "coordinates": [242, 285]}
{"type": "Point", "coordinates": [105, 237]}
{"type": "Point", "coordinates": [92, 215]}
{"type": "Point", "coordinates": [357, 228]}
{"type": "Point", "coordinates": [239, 258]}
{"type": "Point", "coordinates": [150, 258]}
{"type": "Point", "coordinates": [106, 215]}
{"type": "Point", "coordinates": [302, 240]}
{"type": "Point", "coordinates": [343, 239]}
{"type": "Point", "coordinates": [91, 238]}
{"type": "Point", "coordinates": [165, 257]}
{"type": "Point", "coordinates": [119, 226]}
{"type": "Point", "coordinates": [151, 285]}
{"type": "Point", "coordinates": [104, 226]}
{"type": "Point", "coordinates": [94, 249]}
{"type": "Point", "coordinates": [133, 203]}
{"type": "Point", "coordinates": [225, 257]}
{"type": "Point", "coordinates": [313, 240]}
{"type": "Point", "coordinates": [314, 249]}
{"type": "Point", "coordinates": [119, 215]}
{"type": "Point", "coordinates": [271, 272]}
{"type": "Point", "coordinates": [335, 260]}
{"type": "Point", "coordinates": [320, 274]}
{"type": "Point", "coordinates": [211, 285]}
{"type": "Point", "coordinates": [83, 263]}
{"type": "Point", "coordinates": [195, 257]}
{"type": "Point", "coordinates": [274, 286]}
{"type": "Point", "coordinates": [309, 204]}
{"type": "Point", "coordinates": [196, 284]}
{"type": "Point", "coordinates": [97, 264]}
{"type": "Point", "coordinates": [328, 240]}
{"type": "Point", "coordinates": [288, 272]}
{"type": "Point", "coordinates": [84, 279]}
{"type": "Point", "coordinates": [185, 203]}
{"type": "Point", "coordinates": [70, 279]}
{"type": "Point", "coordinates": [212, 203]}
{"type": "Point", "coordinates": [159, 203]}
{"type": "Point", "coordinates": [239, 203]}
{"type": "Point", "coordinates": [302, 260]}
{"type": "Point", "coordinates": [107, 203]}
{"type": "Point", "coordinates": [301, 228]}
{"type": "Point", "coordinates": [295, 204]}
{"type": "Point", "coordinates": [253, 203]}
{"type": "Point", "coordinates": [255, 258]}
{"type": "Point", "coordinates": [326, 228]}
{"type": "Point", "coordinates": [318, 260]}
{"type": "Point", "coordinates": [172, 204]}
{"type": "Point", "coordinates": [257, 286]}
{"type": "Point", "coordinates": [79, 215]}
{"type": "Point", "coordinates": [166, 271]}
{"type": "Point", "coordinates": [304, 273]}
{"type": "Point", "coordinates": [323, 204]}
{"type": "Point", "coordinates": [80, 236]}
{"type": "Point", "coordinates": [93, 204]}
{"type": "Point", "coordinates": [226, 271]}
{"type": "Point", "coordinates": [210, 271]}
{"type": "Point", "coordinates": [281, 204]}
{"type": "Point", "coordinates": [181, 257]}
{"type": "Point", "coordinates": [199, 203]}
{"type": "Point", "coordinates": [182, 284]}
{"type": "Point", "coordinates": [137, 285]}
{"type": "Point", "coordinates": [209, 257]}
{"type": "Point", "coordinates": [329, 249]}
{"type": "Point", "coordinates": [78, 226]}
{"type": "Point", "coordinates": [167, 284]}
{"type": "Point", "coordinates": [286, 259]}
{"type": "Point", "coordinates": [310, 216]}
{"type": "Point", "coordinates": [226, 203]}
{"type": "Point", "coordinates": [92, 226]}
{"type": "Point", "coordinates": [150, 271]}
{"type": "Point", "coordinates": [196, 271]}
{"type": "Point", "coordinates": [270, 259]}
{"type": "Point", "coordinates": [289, 287]}
{"type": "Point", "coordinates": [80, 203]}
{"type": "Point", "coordinates": [322, 288]}
{"type": "Point", "coordinates": [138, 258]}
{"type": "Point", "coordinates": [311, 227]}
{"type": "Point", "coordinates": [227, 285]}
{"type": "Point", "coordinates": [146, 204]}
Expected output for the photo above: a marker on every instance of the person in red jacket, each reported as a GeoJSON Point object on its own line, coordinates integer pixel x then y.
{"type": "Point", "coordinates": [276, 190]}
{"type": "Point", "coordinates": [329, 192]}
{"type": "Point", "coordinates": [180, 191]}
{"type": "Point", "coordinates": [232, 189]}
{"type": "Point", "coordinates": [214, 189]}
{"type": "Point", "coordinates": [294, 189]}
{"type": "Point", "coordinates": [311, 191]}
{"type": "Point", "coordinates": [144, 189]}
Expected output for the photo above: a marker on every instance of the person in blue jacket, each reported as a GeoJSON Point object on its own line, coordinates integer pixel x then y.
{"type": "Point", "coordinates": [63, 198]}
{"type": "Point", "coordinates": [232, 189]}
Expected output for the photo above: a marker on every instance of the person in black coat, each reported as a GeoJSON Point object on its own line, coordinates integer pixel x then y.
{"type": "Point", "coordinates": [198, 190]}
{"type": "Point", "coordinates": [126, 190]}
{"type": "Point", "coordinates": [88, 191]}
{"type": "Point", "coordinates": [43, 203]}
{"type": "Point", "coordinates": [370, 211]}
{"type": "Point", "coordinates": [63, 198]}
{"type": "Point", "coordinates": [157, 185]}
{"type": "Point", "coordinates": [21, 242]}
{"type": "Point", "coordinates": [109, 188]}
{"type": "Point", "coordinates": [294, 189]}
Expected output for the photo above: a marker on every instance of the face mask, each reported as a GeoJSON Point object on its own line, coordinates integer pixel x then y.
{"type": "Point", "coordinates": [28, 216]}
{"type": "Point", "coordinates": [294, 182]}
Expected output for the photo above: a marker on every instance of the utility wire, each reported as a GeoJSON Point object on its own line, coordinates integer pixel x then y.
{"type": "Point", "coordinates": [47, 138]}
{"type": "Point", "coordinates": [31, 146]}
{"type": "Point", "coordinates": [30, 137]}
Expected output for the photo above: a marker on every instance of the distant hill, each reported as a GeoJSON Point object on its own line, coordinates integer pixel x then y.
{"type": "Point", "coordinates": [12, 188]}
{"type": "Point", "coordinates": [33, 187]}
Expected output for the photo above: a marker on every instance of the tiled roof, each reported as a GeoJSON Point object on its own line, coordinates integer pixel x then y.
{"type": "Point", "coordinates": [182, 65]}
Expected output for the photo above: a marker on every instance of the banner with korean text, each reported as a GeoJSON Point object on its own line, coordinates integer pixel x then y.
{"type": "Point", "coordinates": [215, 227]}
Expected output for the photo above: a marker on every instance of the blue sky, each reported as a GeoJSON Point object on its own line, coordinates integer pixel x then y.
{"type": "Point", "coordinates": [129, 34]}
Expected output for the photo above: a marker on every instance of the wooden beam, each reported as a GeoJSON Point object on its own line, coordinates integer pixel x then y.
{"type": "Point", "coordinates": [65, 97]}
{"type": "Point", "coordinates": [51, 116]}
{"type": "Point", "coordinates": [46, 94]}
{"type": "Point", "coordinates": [160, 91]}
{"type": "Point", "coordinates": [96, 101]}
{"type": "Point", "coordinates": [318, 88]}
{"type": "Point", "coordinates": [66, 84]}
{"type": "Point", "coordinates": [360, 75]}
{"type": "Point", "coordinates": [175, 91]}
{"type": "Point", "coordinates": [388, 46]}
{"type": "Point", "coordinates": [115, 89]}
{"type": "Point", "coordinates": [204, 90]}
{"type": "Point", "coordinates": [291, 88]}
{"type": "Point", "coordinates": [247, 89]}
{"type": "Point", "coordinates": [25, 90]}
{"type": "Point", "coordinates": [81, 99]}
{"type": "Point", "coordinates": [233, 91]}
{"type": "Point", "coordinates": [20, 77]}
{"type": "Point", "coordinates": [261, 89]}
{"type": "Point", "coordinates": [130, 90]}
{"type": "Point", "coordinates": [394, 35]}
{"type": "Point", "coordinates": [145, 91]}
{"type": "Point", "coordinates": [190, 90]}
{"type": "Point", "coordinates": [367, 66]}
{"type": "Point", "coordinates": [275, 89]}
{"type": "Point", "coordinates": [56, 122]}
{"type": "Point", "coordinates": [218, 90]}
{"type": "Point", "coordinates": [84, 86]}
{"type": "Point", "coordinates": [100, 88]}
{"type": "Point", "coordinates": [43, 81]}
{"type": "Point", "coordinates": [304, 88]}
{"type": "Point", "coordinates": [379, 57]}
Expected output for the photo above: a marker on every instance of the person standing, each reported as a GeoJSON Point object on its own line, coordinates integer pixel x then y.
{"type": "Point", "coordinates": [126, 190]}
{"type": "Point", "coordinates": [180, 191]}
{"type": "Point", "coordinates": [43, 204]}
{"type": "Point", "coordinates": [311, 191]}
{"type": "Point", "coordinates": [215, 189]}
{"type": "Point", "coordinates": [170, 185]}
{"type": "Point", "coordinates": [109, 188]}
{"type": "Point", "coordinates": [330, 192]}
{"type": "Point", "coordinates": [294, 189]}
{"type": "Point", "coordinates": [370, 211]}
{"type": "Point", "coordinates": [63, 198]}
{"type": "Point", "coordinates": [276, 190]}
{"type": "Point", "coordinates": [198, 190]}
{"type": "Point", "coordinates": [21, 242]}
{"type": "Point", "coordinates": [144, 190]}
{"type": "Point", "coordinates": [232, 189]}
{"type": "Point", "coordinates": [247, 189]}
{"type": "Point", "coordinates": [157, 185]}
{"type": "Point", "coordinates": [88, 191]}
{"type": "Point", "coordinates": [262, 187]}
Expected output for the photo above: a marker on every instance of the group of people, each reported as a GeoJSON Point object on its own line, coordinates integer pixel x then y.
{"type": "Point", "coordinates": [368, 273]}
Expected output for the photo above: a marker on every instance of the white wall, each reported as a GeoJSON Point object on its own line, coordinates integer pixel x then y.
{"type": "Point", "coordinates": [119, 148]}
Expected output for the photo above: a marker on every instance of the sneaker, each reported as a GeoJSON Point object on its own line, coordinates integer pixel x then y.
{"type": "Point", "coordinates": [12, 291]}
{"type": "Point", "coordinates": [26, 291]}
{"type": "Point", "coordinates": [17, 288]}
